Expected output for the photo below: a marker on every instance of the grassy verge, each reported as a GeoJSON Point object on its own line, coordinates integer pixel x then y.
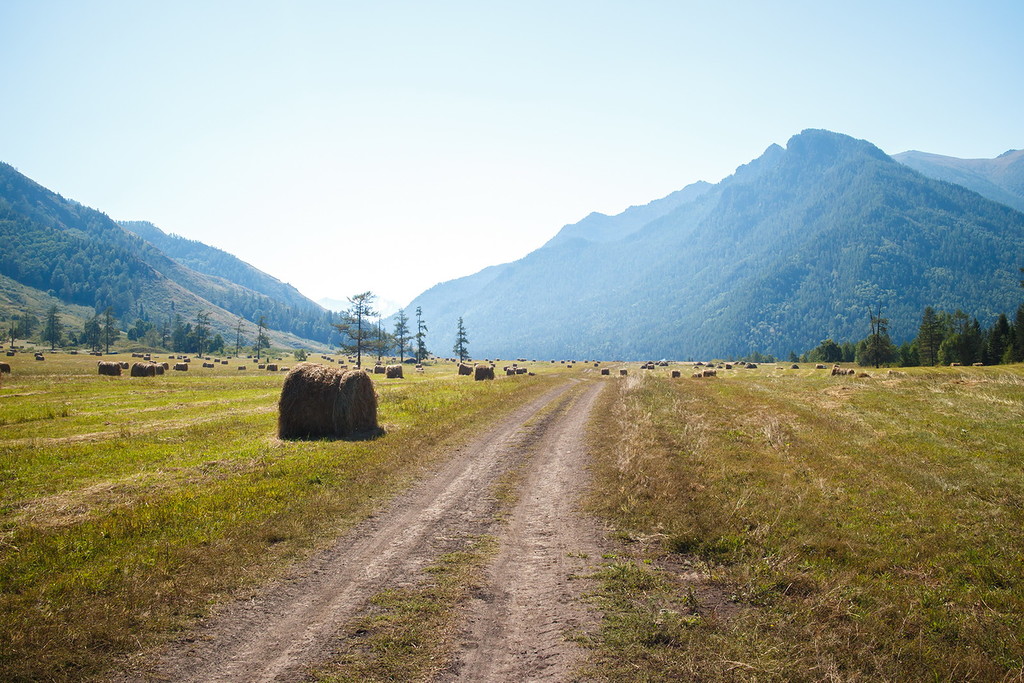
{"type": "Point", "coordinates": [803, 527]}
{"type": "Point", "coordinates": [128, 505]}
{"type": "Point", "coordinates": [410, 632]}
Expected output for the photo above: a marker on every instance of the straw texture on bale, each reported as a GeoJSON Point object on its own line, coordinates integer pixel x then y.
{"type": "Point", "coordinates": [112, 369]}
{"type": "Point", "coordinates": [394, 372]}
{"type": "Point", "coordinates": [124, 365]}
{"type": "Point", "coordinates": [158, 368]}
{"type": "Point", "coordinates": [318, 401]}
{"type": "Point", "coordinates": [483, 372]}
{"type": "Point", "coordinates": [143, 369]}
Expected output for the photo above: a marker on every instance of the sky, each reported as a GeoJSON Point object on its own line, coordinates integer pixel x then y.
{"type": "Point", "coordinates": [388, 146]}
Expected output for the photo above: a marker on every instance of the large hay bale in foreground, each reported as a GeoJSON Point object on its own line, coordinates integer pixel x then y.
{"type": "Point", "coordinates": [394, 372]}
{"type": "Point", "coordinates": [483, 372]}
{"type": "Point", "coordinates": [318, 401]}
{"type": "Point", "coordinates": [109, 368]}
{"type": "Point", "coordinates": [143, 369]}
{"type": "Point", "coordinates": [465, 369]}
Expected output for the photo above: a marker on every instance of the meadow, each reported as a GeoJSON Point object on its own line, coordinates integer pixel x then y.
{"type": "Point", "coordinates": [129, 505]}
{"type": "Point", "coordinates": [782, 524]}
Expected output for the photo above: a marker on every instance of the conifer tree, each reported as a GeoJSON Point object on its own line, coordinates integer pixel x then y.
{"type": "Point", "coordinates": [461, 347]}
{"type": "Point", "coordinates": [401, 333]}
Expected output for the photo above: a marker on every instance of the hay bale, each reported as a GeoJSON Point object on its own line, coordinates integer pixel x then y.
{"type": "Point", "coordinates": [510, 372]}
{"type": "Point", "coordinates": [318, 401]}
{"type": "Point", "coordinates": [728, 366]}
{"type": "Point", "coordinates": [863, 375]}
{"type": "Point", "coordinates": [143, 369]}
{"type": "Point", "coordinates": [241, 367]}
{"type": "Point", "coordinates": [794, 366]}
{"type": "Point", "coordinates": [751, 366]}
{"type": "Point", "coordinates": [181, 366]}
{"type": "Point", "coordinates": [207, 365]}
{"type": "Point", "coordinates": [954, 365]}
{"type": "Point", "coordinates": [40, 356]}
{"type": "Point", "coordinates": [676, 374]}
{"type": "Point", "coordinates": [819, 366]}
{"type": "Point", "coordinates": [5, 368]}
{"type": "Point", "coordinates": [393, 372]}
{"type": "Point", "coordinates": [707, 372]}
{"type": "Point", "coordinates": [165, 365]}
{"type": "Point", "coordinates": [109, 368]}
{"type": "Point", "coordinates": [465, 369]}
{"type": "Point", "coordinates": [979, 365]}
{"type": "Point", "coordinates": [605, 371]}
{"type": "Point", "coordinates": [271, 367]}
{"type": "Point", "coordinates": [379, 370]}
{"type": "Point", "coordinates": [623, 372]}
{"type": "Point", "coordinates": [482, 372]}
{"type": "Point", "coordinates": [10, 353]}
{"type": "Point", "coordinates": [520, 371]}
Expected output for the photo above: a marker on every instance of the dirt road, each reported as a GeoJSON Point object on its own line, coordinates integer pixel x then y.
{"type": "Point", "coordinates": [515, 627]}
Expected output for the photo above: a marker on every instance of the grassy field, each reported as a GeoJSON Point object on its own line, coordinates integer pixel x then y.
{"type": "Point", "coordinates": [129, 505]}
{"type": "Point", "coordinates": [787, 525]}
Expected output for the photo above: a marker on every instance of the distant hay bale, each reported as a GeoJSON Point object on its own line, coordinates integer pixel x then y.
{"type": "Point", "coordinates": [954, 365]}
{"type": "Point", "coordinates": [143, 369]}
{"type": "Point", "coordinates": [241, 367]}
{"type": "Point", "coordinates": [728, 366]}
{"type": "Point", "coordinates": [379, 370]}
{"type": "Point", "coordinates": [481, 372]}
{"type": "Point", "coordinates": [10, 353]}
{"type": "Point", "coordinates": [979, 365]}
{"type": "Point", "coordinates": [751, 366]}
{"type": "Point", "coordinates": [207, 365]}
{"type": "Point", "coordinates": [271, 367]}
{"type": "Point", "coordinates": [465, 369]}
{"type": "Point", "coordinates": [510, 372]}
{"type": "Point", "coordinates": [223, 362]}
{"type": "Point", "coordinates": [623, 372]}
{"type": "Point", "coordinates": [393, 372]}
{"type": "Point", "coordinates": [819, 366]}
{"type": "Point", "coordinates": [676, 374]}
{"type": "Point", "coordinates": [605, 371]}
{"type": "Point", "coordinates": [284, 368]}
{"type": "Point", "coordinates": [165, 365]}
{"type": "Point", "coordinates": [158, 368]}
{"type": "Point", "coordinates": [40, 356]}
{"type": "Point", "coordinates": [124, 365]}
{"type": "Point", "coordinates": [319, 401]}
{"type": "Point", "coordinates": [520, 371]}
{"type": "Point", "coordinates": [709, 373]}
{"type": "Point", "coordinates": [5, 368]}
{"type": "Point", "coordinates": [181, 366]}
{"type": "Point", "coordinates": [109, 368]}
{"type": "Point", "coordinates": [863, 375]}
{"type": "Point", "coordinates": [794, 366]}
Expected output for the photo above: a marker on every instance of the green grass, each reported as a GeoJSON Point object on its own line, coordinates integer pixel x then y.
{"type": "Point", "coordinates": [129, 505]}
{"type": "Point", "coordinates": [409, 633]}
{"type": "Point", "coordinates": [858, 529]}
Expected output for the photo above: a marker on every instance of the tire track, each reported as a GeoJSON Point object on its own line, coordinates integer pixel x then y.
{"type": "Point", "coordinates": [519, 623]}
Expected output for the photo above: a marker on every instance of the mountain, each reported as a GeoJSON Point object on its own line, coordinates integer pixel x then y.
{"type": "Point", "coordinates": [203, 258]}
{"type": "Point", "coordinates": [792, 248]}
{"type": "Point", "coordinates": [1000, 179]}
{"type": "Point", "coordinates": [82, 257]}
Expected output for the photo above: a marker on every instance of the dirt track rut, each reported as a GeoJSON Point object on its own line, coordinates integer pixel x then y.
{"type": "Point", "coordinates": [515, 627]}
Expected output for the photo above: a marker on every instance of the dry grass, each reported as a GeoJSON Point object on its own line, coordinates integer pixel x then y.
{"type": "Point", "coordinates": [861, 529]}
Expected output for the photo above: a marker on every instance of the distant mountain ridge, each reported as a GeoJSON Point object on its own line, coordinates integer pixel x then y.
{"type": "Point", "coordinates": [1000, 179]}
{"type": "Point", "coordinates": [792, 248]}
{"type": "Point", "coordinates": [82, 257]}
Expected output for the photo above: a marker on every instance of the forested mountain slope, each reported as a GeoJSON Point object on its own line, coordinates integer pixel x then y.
{"type": "Point", "coordinates": [792, 248]}
{"type": "Point", "coordinates": [1000, 179]}
{"type": "Point", "coordinates": [82, 257]}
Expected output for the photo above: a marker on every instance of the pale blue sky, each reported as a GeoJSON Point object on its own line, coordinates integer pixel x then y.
{"type": "Point", "coordinates": [388, 146]}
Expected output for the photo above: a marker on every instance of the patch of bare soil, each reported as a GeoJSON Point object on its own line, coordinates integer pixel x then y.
{"type": "Point", "coordinates": [278, 633]}
{"type": "Point", "coordinates": [521, 622]}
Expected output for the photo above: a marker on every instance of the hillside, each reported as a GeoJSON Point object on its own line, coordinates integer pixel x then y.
{"type": "Point", "coordinates": [792, 248]}
{"type": "Point", "coordinates": [81, 257]}
{"type": "Point", "coordinates": [1000, 179]}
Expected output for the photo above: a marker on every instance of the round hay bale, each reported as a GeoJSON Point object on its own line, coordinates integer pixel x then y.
{"type": "Point", "coordinates": [124, 364]}
{"type": "Point", "coordinates": [465, 369]}
{"type": "Point", "coordinates": [623, 372]}
{"type": "Point", "coordinates": [109, 368]}
{"type": "Point", "coordinates": [676, 374]}
{"type": "Point", "coordinates": [165, 365]}
{"type": "Point", "coordinates": [379, 370]}
{"type": "Point", "coordinates": [241, 367]}
{"type": "Point", "coordinates": [728, 366]}
{"type": "Point", "coordinates": [271, 367]}
{"type": "Point", "coordinates": [207, 365]}
{"type": "Point", "coordinates": [482, 372]}
{"type": "Point", "coordinates": [10, 353]}
{"type": "Point", "coordinates": [819, 366]}
{"type": "Point", "coordinates": [794, 366]}
{"type": "Point", "coordinates": [394, 372]}
{"type": "Point", "coordinates": [143, 369]}
{"type": "Point", "coordinates": [181, 366]}
{"type": "Point", "coordinates": [5, 368]}
{"type": "Point", "coordinates": [318, 402]}
{"type": "Point", "coordinates": [520, 371]}
{"type": "Point", "coordinates": [605, 371]}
